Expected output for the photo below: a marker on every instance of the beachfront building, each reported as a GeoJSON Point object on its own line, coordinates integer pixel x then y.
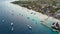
{"type": "Point", "coordinates": [58, 3]}
{"type": "Point", "coordinates": [57, 14]}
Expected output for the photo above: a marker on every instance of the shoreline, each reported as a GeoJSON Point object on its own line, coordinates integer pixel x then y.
{"type": "Point", "coordinates": [38, 7]}
{"type": "Point", "coordinates": [44, 15]}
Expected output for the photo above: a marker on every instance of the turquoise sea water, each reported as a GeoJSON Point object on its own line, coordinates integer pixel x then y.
{"type": "Point", "coordinates": [17, 20]}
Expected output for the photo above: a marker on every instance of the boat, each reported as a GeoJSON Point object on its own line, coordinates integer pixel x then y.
{"type": "Point", "coordinates": [49, 27]}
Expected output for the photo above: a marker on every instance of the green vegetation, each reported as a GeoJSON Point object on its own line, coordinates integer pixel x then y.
{"type": "Point", "coordinates": [37, 6]}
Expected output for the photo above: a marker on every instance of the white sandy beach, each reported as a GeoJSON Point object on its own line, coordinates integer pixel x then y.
{"type": "Point", "coordinates": [38, 15]}
{"type": "Point", "coordinates": [43, 17]}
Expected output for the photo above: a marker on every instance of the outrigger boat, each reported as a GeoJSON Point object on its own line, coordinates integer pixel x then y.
{"type": "Point", "coordinates": [50, 27]}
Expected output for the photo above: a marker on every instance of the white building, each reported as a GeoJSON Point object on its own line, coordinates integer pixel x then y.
{"type": "Point", "coordinates": [57, 14]}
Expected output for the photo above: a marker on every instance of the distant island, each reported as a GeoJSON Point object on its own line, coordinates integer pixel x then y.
{"type": "Point", "coordinates": [50, 8]}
